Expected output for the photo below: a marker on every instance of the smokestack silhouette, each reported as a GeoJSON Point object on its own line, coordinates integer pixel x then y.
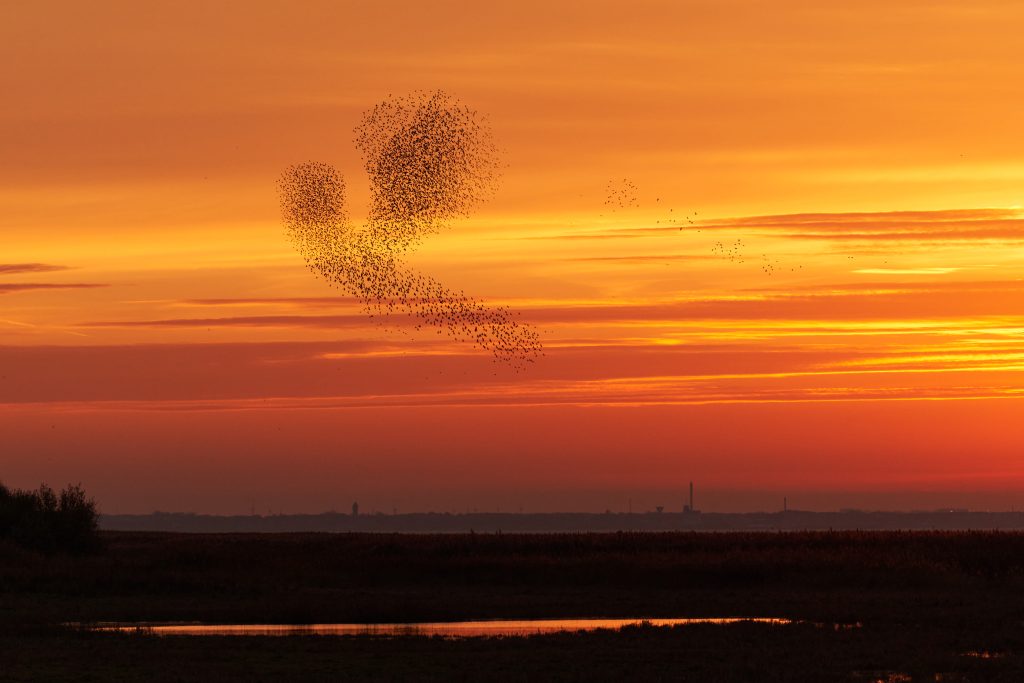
{"type": "Point", "coordinates": [691, 495]}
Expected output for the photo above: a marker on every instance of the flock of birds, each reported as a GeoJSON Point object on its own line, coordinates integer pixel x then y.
{"type": "Point", "coordinates": [733, 252]}
{"type": "Point", "coordinates": [621, 195]}
{"type": "Point", "coordinates": [687, 220]}
{"type": "Point", "coordinates": [429, 160]}
{"type": "Point", "coordinates": [625, 194]}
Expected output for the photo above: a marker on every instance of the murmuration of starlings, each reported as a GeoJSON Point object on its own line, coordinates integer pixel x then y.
{"type": "Point", "coordinates": [429, 159]}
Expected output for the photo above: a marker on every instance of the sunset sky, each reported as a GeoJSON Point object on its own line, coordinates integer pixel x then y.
{"type": "Point", "coordinates": [815, 289]}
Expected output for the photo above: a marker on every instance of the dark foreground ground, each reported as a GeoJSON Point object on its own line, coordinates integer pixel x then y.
{"type": "Point", "coordinates": [927, 605]}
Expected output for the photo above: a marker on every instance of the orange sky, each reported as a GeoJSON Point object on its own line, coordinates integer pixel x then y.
{"type": "Point", "coordinates": [837, 320]}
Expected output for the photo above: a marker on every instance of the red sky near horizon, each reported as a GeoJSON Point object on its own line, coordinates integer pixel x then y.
{"type": "Point", "coordinates": [807, 283]}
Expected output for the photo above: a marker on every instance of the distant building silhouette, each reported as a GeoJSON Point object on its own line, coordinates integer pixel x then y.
{"type": "Point", "coordinates": [355, 509]}
{"type": "Point", "coordinates": [687, 508]}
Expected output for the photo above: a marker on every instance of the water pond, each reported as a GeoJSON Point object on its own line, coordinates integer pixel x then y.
{"type": "Point", "coordinates": [448, 629]}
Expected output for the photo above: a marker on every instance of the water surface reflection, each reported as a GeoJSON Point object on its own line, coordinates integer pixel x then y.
{"type": "Point", "coordinates": [449, 629]}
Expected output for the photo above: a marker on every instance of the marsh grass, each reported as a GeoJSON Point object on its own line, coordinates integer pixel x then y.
{"type": "Point", "coordinates": [923, 598]}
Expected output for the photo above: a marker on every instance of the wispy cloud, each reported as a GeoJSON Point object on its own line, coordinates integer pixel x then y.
{"type": "Point", "coordinates": [643, 258]}
{"type": "Point", "coordinates": [959, 225]}
{"type": "Point", "coordinates": [950, 225]}
{"type": "Point", "coordinates": [1016, 285]}
{"type": "Point", "coordinates": [8, 268]}
{"type": "Point", "coordinates": [906, 271]}
{"type": "Point", "coordinates": [850, 302]}
{"type": "Point", "coordinates": [317, 321]}
{"type": "Point", "coordinates": [10, 287]}
{"type": "Point", "coordinates": [375, 375]}
{"type": "Point", "coordinates": [311, 301]}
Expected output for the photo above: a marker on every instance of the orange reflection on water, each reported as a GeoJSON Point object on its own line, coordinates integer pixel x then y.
{"type": "Point", "coordinates": [451, 629]}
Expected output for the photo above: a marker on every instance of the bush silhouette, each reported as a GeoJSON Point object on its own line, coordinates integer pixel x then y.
{"type": "Point", "coordinates": [47, 521]}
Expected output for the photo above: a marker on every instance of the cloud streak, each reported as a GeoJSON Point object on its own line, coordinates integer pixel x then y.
{"type": "Point", "coordinates": [854, 303]}
{"type": "Point", "coordinates": [946, 225]}
{"type": "Point", "coordinates": [9, 268]}
{"type": "Point", "coordinates": [311, 301]}
{"type": "Point", "coordinates": [13, 287]}
{"type": "Point", "coordinates": [299, 321]}
{"type": "Point", "coordinates": [958, 225]}
{"type": "Point", "coordinates": [374, 373]}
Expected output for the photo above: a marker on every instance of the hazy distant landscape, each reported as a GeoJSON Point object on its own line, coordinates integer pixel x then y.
{"type": "Point", "coordinates": [510, 522]}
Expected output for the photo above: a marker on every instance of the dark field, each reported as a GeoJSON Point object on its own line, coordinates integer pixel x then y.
{"type": "Point", "coordinates": [924, 600]}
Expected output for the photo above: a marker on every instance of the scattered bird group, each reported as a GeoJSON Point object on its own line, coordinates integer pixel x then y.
{"type": "Point", "coordinates": [733, 252]}
{"type": "Point", "coordinates": [624, 195]}
{"type": "Point", "coordinates": [621, 195]}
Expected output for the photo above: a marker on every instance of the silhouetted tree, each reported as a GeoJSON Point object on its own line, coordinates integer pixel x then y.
{"type": "Point", "coordinates": [47, 521]}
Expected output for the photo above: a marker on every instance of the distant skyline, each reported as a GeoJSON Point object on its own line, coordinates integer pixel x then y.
{"type": "Point", "coordinates": [773, 248]}
{"type": "Point", "coordinates": [641, 502]}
